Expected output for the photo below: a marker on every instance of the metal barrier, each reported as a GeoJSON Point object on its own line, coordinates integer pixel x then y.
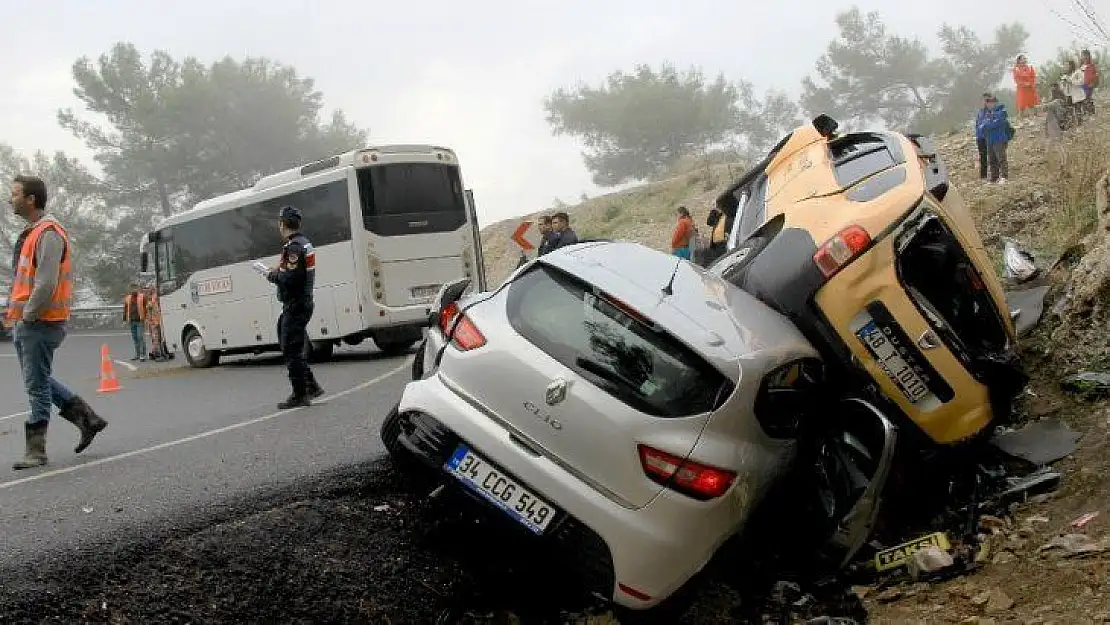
{"type": "Point", "coordinates": [97, 318]}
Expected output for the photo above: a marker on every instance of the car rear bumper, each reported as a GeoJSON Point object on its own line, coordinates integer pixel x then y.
{"type": "Point", "coordinates": [636, 557]}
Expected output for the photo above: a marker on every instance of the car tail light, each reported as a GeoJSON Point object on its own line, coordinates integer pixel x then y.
{"type": "Point", "coordinates": [841, 249]}
{"type": "Point", "coordinates": [696, 480]}
{"type": "Point", "coordinates": [466, 336]}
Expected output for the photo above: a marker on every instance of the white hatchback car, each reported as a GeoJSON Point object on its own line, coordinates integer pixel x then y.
{"type": "Point", "coordinates": [611, 396]}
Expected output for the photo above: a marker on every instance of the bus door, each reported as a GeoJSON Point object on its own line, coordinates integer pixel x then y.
{"type": "Point", "coordinates": [476, 240]}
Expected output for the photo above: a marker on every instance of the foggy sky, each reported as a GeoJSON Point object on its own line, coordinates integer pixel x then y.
{"type": "Point", "coordinates": [470, 75]}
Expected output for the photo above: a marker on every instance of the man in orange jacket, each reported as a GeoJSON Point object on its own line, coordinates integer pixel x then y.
{"type": "Point", "coordinates": [38, 309]}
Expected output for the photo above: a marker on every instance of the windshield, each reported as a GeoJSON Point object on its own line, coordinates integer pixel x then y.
{"type": "Point", "coordinates": [409, 198]}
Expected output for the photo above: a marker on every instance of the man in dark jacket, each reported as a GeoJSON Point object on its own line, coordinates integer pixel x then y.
{"type": "Point", "coordinates": [295, 277]}
{"type": "Point", "coordinates": [980, 138]}
{"type": "Point", "coordinates": [996, 131]}
{"type": "Point", "coordinates": [561, 231]}
{"type": "Point", "coordinates": [546, 236]}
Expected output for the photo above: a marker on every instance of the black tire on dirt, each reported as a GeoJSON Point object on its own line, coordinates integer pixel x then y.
{"type": "Point", "coordinates": [196, 353]}
{"type": "Point", "coordinates": [415, 472]}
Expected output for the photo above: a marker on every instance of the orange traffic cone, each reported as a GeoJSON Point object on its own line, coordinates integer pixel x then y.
{"type": "Point", "coordinates": [108, 381]}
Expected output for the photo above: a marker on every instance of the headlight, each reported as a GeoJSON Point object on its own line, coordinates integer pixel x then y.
{"type": "Point", "coordinates": [787, 394]}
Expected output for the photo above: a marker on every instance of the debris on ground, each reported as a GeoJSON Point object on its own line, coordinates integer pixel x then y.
{"type": "Point", "coordinates": [1019, 264]}
{"type": "Point", "coordinates": [1039, 443]}
{"type": "Point", "coordinates": [1088, 384]}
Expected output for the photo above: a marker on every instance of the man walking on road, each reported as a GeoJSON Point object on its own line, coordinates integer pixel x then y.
{"type": "Point", "coordinates": [134, 313]}
{"type": "Point", "coordinates": [38, 309]}
{"type": "Point", "coordinates": [295, 276]}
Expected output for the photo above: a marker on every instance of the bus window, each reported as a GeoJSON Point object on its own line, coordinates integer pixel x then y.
{"type": "Point", "coordinates": [165, 267]}
{"type": "Point", "coordinates": [411, 198]}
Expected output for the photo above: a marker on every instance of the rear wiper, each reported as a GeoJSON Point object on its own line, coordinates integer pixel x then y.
{"type": "Point", "coordinates": [606, 373]}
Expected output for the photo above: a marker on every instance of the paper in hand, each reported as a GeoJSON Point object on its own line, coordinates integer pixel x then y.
{"type": "Point", "coordinates": [260, 268]}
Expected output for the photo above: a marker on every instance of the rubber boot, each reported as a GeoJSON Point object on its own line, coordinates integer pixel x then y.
{"type": "Point", "coordinates": [35, 455]}
{"type": "Point", "coordinates": [80, 413]}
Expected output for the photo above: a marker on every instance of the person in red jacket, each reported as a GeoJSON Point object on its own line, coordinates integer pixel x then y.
{"type": "Point", "coordinates": [683, 233]}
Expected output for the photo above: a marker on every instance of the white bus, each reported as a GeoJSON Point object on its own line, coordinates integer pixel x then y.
{"type": "Point", "coordinates": [389, 224]}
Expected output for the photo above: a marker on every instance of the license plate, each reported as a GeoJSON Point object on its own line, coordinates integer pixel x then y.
{"type": "Point", "coordinates": [502, 491]}
{"type": "Point", "coordinates": [424, 293]}
{"type": "Point", "coordinates": [891, 362]}
{"type": "Point", "coordinates": [897, 556]}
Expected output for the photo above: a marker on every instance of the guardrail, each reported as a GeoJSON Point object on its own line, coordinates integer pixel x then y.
{"type": "Point", "coordinates": [97, 318]}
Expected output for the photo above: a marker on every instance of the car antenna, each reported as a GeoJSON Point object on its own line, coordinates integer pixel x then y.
{"type": "Point", "coordinates": [669, 289]}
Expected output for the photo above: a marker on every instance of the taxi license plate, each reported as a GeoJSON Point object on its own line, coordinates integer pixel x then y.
{"type": "Point", "coordinates": [892, 363]}
{"type": "Point", "coordinates": [502, 491]}
{"type": "Point", "coordinates": [424, 293]}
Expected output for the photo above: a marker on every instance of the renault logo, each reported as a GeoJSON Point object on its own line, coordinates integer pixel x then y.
{"type": "Point", "coordinates": [928, 340]}
{"type": "Point", "coordinates": [556, 391]}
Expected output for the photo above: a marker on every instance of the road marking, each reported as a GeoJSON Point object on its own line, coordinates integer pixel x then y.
{"type": "Point", "coordinates": [18, 414]}
{"type": "Point", "coordinates": [126, 364]}
{"type": "Point", "coordinates": [206, 434]}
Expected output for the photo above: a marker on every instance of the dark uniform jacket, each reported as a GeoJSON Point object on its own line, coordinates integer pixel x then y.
{"type": "Point", "coordinates": [296, 273]}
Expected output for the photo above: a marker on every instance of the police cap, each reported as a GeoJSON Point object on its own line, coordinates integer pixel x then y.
{"type": "Point", "coordinates": [289, 212]}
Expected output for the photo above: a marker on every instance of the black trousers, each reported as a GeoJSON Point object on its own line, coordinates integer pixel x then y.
{"type": "Point", "coordinates": [983, 153]}
{"type": "Point", "coordinates": [293, 338]}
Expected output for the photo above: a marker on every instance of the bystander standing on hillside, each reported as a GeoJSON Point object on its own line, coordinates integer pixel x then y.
{"type": "Point", "coordinates": [683, 233]}
{"type": "Point", "coordinates": [980, 138]}
{"type": "Point", "coordinates": [546, 235]}
{"type": "Point", "coordinates": [562, 235]}
{"type": "Point", "coordinates": [1025, 79]}
{"type": "Point", "coordinates": [1090, 79]}
{"type": "Point", "coordinates": [996, 130]}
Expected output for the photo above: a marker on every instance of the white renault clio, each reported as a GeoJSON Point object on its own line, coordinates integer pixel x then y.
{"type": "Point", "coordinates": [611, 396]}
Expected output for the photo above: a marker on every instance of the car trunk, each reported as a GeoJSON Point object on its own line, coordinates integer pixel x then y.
{"type": "Point", "coordinates": [943, 282]}
{"type": "Point", "coordinates": [582, 382]}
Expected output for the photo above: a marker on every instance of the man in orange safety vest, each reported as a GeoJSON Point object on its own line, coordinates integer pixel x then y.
{"type": "Point", "coordinates": [38, 309]}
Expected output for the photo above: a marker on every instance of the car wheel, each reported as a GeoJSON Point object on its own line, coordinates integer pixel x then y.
{"type": "Point", "coordinates": [196, 353]}
{"type": "Point", "coordinates": [414, 471]}
{"type": "Point", "coordinates": [734, 264]}
{"type": "Point", "coordinates": [318, 351]}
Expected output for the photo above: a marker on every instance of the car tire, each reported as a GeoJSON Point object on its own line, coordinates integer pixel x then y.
{"type": "Point", "coordinates": [196, 353]}
{"type": "Point", "coordinates": [739, 259]}
{"type": "Point", "coordinates": [319, 351]}
{"type": "Point", "coordinates": [414, 471]}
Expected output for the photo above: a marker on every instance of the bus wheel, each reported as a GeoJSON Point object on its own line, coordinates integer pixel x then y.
{"type": "Point", "coordinates": [196, 353]}
{"type": "Point", "coordinates": [395, 346]}
{"type": "Point", "coordinates": [319, 351]}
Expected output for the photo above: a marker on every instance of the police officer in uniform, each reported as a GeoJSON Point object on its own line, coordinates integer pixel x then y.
{"type": "Point", "coordinates": [294, 277]}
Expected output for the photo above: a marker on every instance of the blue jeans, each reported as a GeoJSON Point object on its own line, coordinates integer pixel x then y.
{"type": "Point", "coordinates": [138, 336]}
{"type": "Point", "coordinates": [35, 343]}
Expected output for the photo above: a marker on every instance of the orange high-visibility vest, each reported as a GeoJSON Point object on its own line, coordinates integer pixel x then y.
{"type": "Point", "coordinates": [153, 309]}
{"type": "Point", "coordinates": [127, 307]}
{"type": "Point", "coordinates": [58, 310]}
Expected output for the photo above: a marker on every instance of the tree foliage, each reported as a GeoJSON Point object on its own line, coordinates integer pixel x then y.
{"type": "Point", "coordinates": [638, 124]}
{"type": "Point", "coordinates": [174, 133]}
{"type": "Point", "coordinates": [73, 196]}
{"type": "Point", "coordinates": [868, 74]}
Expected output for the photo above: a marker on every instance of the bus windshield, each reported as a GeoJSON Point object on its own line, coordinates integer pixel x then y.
{"type": "Point", "coordinates": [411, 198]}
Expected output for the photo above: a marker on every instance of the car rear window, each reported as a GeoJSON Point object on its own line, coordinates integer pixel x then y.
{"type": "Point", "coordinates": [595, 335]}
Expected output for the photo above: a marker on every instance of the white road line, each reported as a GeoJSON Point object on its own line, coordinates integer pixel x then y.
{"type": "Point", "coordinates": [126, 364]}
{"type": "Point", "coordinates": [18, 414]}
{"type": "Point", "coordinates": [196, 437]}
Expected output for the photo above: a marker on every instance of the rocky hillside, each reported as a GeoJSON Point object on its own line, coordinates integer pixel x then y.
{"type": "Point", "coordinates": [643, 214]}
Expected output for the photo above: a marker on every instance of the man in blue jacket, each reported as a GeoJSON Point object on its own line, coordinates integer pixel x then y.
{"type": "Point", "coordinates": [996, 130]}
{"type": "Point", "coordinates": [980, 140]}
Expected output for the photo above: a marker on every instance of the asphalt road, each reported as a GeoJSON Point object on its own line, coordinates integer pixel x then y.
{"type": "Point", "coordinates": [180, 443]}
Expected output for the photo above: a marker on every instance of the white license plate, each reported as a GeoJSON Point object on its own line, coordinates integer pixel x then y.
{"type": "Point", "coordinates": [424, 293]}
{"type": "Point", "coordinates": [500, 490]}
{"type": "Point", "coordinates": [892, 363]}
